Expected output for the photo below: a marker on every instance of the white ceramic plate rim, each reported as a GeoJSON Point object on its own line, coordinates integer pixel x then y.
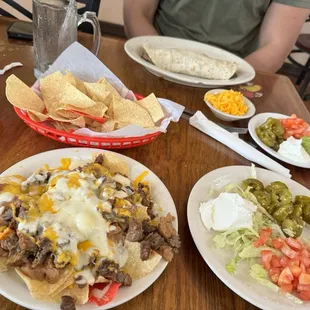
{"type": "Point", "coordinates": [169, 42]}
{"type": "Point", "coordinates": [251, 107]}
{"type": "Point", "coordinates": [13, 288]}
{"type": "Point", "coordinates": [254, 293]}
{"type": "Point", "coordinates": [259, 119]}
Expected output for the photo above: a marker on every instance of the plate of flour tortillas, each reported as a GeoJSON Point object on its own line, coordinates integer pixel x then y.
{"type": "Point", "coordinates": [188, 62]}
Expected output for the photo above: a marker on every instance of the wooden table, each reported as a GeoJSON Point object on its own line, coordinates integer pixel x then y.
{"type": "Point", "coordinates": [179, 157]}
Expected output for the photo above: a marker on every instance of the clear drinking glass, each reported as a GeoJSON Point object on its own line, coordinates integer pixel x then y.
{"type": "Point", "coordinates": [55, 28]}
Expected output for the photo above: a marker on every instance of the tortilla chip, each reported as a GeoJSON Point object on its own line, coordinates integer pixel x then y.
{"type": "Point", "coordinates": [134, 266]}
{"type": "Point", "coordinates": [42, 289]}
{"type": "Point", "coordinates": [79, 121]}
{"type": "Point", "coordinates": [80, 295]}
{"type": "Point", "coordinates": [57, 93]}
{"type": "Point", "coordinates": [37, 116]}
{"type": "Point", "coordinates": [65, 114]}
{"type": "Point", "coordinates": [115, 163]}
{"type": "Point", "coordinates": [70, 78]}
{"type": "Point", "coordinates": [22, 96]}
{"type": "Point", "coordinates": [67, 127]}
{"type": "Point", "coordinates": [128, 112]}
{"type": "Point", "coordinates": [3, 264]}
{"type": "Point", "coordinates": [108, 126]}
{"type": "Point", "coordinates": [153, 107]}
{"type": "Point", "coordinates": [98, 109]}
{"type": "Point", "coordinates": [97, 90]}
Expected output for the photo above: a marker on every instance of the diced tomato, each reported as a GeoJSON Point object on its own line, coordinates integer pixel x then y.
{"type": "Point", "coordinates": [284, 261]}
{"type": "Point", "coordinates": [307, 134]}
{"type": "Point", "coordinates": [288, 251]}
{"type": "Point", "coordinates": [296, 270]}
{"type": "Point", "coordinates": [266, 256]}
{"type": "Point", "coordinates": [304, 278]}
{"type": "Point", "coordinates": [295, 283]}
{"type": "Point", "coordinates": [263, 237]}
{"type": "Point", "coordinates": [286, 277]}
{"type": "Point", "coordinates": [294, 262]}
{"type": "Point", "coordinates": [294, 244]}
{"type": "Point", "coordinates": [305, 260]}
{"type": "Point", "coordinates": [278, 243]}
{"type": "Point", "coordinates": [286, 288]}
{"type": "Point", "coordinates": [305, 253]}
{"type": "Point", "coordinates": [303, 268]}
{"type": "Point", "coordinates": [107, 297]}
{"type": "Point", "coordinates": [274, 274]}
{"type": "Point", "coordinates": [275, 261]}
{"type": "Point", "coordinates": [303, 288]}
{"type": "Point", "coordinates": [304, 296]}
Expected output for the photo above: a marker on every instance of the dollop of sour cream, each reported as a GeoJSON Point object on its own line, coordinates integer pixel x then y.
{"type": "Point", "coordinates": [227, 211]}
{"type": "Point", "coordinates": [292, 149]}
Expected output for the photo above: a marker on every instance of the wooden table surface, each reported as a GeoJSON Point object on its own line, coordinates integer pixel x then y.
{"type": "Point", "coordinates": [179, 158]}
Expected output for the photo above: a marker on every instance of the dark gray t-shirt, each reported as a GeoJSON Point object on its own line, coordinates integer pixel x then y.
{"type": "Point", "coordinates": [231, 24]}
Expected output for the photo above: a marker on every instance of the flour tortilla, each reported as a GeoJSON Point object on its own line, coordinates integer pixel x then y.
{"type": "Point", "coordinates": [190, 63]}
{"type": "Point", "coordinates": [134, 266]}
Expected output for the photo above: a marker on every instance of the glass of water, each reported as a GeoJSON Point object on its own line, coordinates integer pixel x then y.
{"type": "Point", "coordinates": [55, 28]}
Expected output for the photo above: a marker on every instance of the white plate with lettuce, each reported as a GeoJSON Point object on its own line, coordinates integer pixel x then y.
{"type": "Point", "coordinates": [246, 278]}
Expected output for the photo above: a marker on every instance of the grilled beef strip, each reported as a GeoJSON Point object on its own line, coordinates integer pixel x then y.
{"type": "Point", "coordinates": [99, 159]}
{"type": "Point", "coordinates": [111, 271]}
{"type": "Point", "coordinates": [67, 303]}
{"type": "Point", "coordinates": [45, 248]}
{"type": "Point", "coordinates": [116, 235]}
{"type": "Point", "coordinates": [162, 239]}
{"type": "Point", "coordinates": [135, 231]}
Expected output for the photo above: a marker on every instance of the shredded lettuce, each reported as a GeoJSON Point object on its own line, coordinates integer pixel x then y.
{"type": "Point", "coordinates": [258, 273]}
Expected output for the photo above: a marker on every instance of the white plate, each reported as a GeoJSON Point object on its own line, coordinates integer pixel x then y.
{"type": "Point", "coordinates": [134, 49]}
{"type": "Point", "coordinates": [259, 119]}
{"type": "Point", "coordinates": [241, 283]}
{"type": "Point", "coordinates": [13, 288]}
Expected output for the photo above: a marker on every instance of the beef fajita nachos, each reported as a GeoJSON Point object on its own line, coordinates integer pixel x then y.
{"type": "Point", "coordinates": [71, 230]}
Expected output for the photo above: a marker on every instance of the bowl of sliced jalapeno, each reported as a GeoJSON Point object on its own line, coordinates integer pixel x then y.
{"type": "Point", "coordinates": [290, 213]}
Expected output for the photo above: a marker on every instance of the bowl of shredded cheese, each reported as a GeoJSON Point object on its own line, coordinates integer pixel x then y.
{"type": "Point", "coordinates": [229, 105]}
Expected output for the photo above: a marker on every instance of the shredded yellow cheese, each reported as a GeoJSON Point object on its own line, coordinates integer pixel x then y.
{"type": "Point", "coordinates": [228, 101]}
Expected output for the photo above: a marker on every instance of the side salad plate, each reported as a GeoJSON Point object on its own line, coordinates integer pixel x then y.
{"type": "Point", "coordinates": [292, 145]}
{"type": "Point", "coordinates": [250, 227]}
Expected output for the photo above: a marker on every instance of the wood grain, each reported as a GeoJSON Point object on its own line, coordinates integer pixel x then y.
{"type": "Point", "coordinates": [179, 157]}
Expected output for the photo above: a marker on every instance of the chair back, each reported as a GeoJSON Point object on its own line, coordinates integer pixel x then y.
{"type": "Point", "coordinates": [11, 8]}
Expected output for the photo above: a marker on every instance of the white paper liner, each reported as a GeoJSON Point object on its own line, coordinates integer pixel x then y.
{"type": "Point", "coordinates": [85, 65]}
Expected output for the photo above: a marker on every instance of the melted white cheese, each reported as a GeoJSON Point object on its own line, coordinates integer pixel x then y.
{"type": "Point", "coordinates": [292, 149]}
{"type": "Point", "coordinates": [228, 211]}
{"type": "Point", "coordinates": [77, 219]}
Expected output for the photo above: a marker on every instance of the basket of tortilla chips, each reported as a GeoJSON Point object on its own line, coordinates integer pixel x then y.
{"type": "Point", "coordinates": [78, 232]}
{"type": "Point", "coordinates": [79, 101]}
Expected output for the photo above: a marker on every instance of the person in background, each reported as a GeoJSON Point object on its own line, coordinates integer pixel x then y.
{"type": "Point", "coordinates": [263, 32]}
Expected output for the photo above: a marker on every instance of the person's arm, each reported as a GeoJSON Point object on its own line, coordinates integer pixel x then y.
{"type": "Point", "coordinates": [138, 17]}
{"type": "Point", "coordinates": [279, 31]}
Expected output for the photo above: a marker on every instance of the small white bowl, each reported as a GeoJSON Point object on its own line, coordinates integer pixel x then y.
{"type": "Point", "coordinates": [229, 117]}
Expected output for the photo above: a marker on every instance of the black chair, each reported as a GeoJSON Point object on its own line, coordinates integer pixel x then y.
{"type": "Point", "coordinates": [303, 46]}
{"type": "Point", "coordinates": [15, 6]}
{"type": "Point", "coordinates": [89, 5]}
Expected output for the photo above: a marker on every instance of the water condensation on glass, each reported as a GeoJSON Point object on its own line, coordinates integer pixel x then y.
{"type": "Point", "coordinates": [55, 28]}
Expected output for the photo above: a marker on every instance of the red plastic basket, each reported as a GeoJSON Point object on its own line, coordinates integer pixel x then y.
{"type": "Point", "coordinates": [85, 141]}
